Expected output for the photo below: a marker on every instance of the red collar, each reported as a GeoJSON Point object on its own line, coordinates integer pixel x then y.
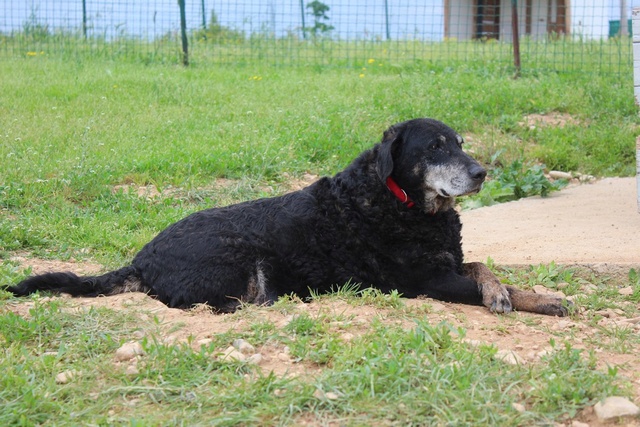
{"type": "Point", "coordinates": [399, 193]}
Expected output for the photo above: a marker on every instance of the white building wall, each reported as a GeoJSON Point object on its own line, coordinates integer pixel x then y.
{"type": "Point", "coordinates": [589, 18]}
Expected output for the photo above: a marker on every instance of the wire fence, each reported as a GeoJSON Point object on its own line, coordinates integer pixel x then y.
{"type": "Point", "coordinates": [557, 35]}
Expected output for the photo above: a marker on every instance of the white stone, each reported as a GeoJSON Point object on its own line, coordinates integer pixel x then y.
{"type": "Point", "coordinates": [321, 395]}
{"type": "Point", "coordinates": [562, 325]}
{"type": "Point", "coordinates": [255, 359]}
{"type": "Point", "coordinates": [559, 175]}
{"type": "Point", "coordinates": [138, 335]}
{"type": "Point", "coordinates": [243, 346]}
{"type": "Point", "coordinates": [347, 336]}
{"type": "Point", "coordinates": [128, 351]}
{"type": "Point", "coordinates": [66, 376]}
{"type": "Point", "coordinates": [509, 357]}
{"type": "Point", "coordinates": [132, 370]}
{"type": "Point", "coordinates": [518, 407]}
{"type": "Point", "coordinates": [231, 354]}
{"type": "Point", "coordinates": [615, 407]}
{"type": "Point", "coordinates": [626, 291]}
{"type": "Point", "coordinates": [284, 357]}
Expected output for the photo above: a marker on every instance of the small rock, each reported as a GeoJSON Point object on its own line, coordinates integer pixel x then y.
{"type": "Point", "coordinates": [562, 325]}
{"type": "Point", "coordinates": [170, 340]}
{"type": "Point", "coordinates": [128, 351]}
{"type": "Point", "coordinates": [606, 313]}
{"type": "Point", "coordinates": [243, 346]}
{"type": "Point", "coordinates": [255, 359]}
{"type": "Point", "coordinates": [66, 376]}
{"type": "Point", "coordinates": [321, 395]}
{"type": "Point", "coordinates": [284, 357]}
{"type": "Point", "coordinates": [132, 370]}
{"type": "Point", "coordinates": [231, 354]}
{"type": "Point", "coordinates": [518, 407]}
{"type": "Point", "coordinates": [576, 423]}
{"type": "Point", "coordinates": [138, 334]}
{"type": "Point", "coordinates": [509, 357]}
{"type": "Point", "coordinates": [472, 343]}
{"type": "Point", "coordinates": [347, 336]}
{"type": "Point", "coordinates": [560, 175]}
{"type": "Point", "coordinates": [626, 291]}
{"type": "Point", "coordinates": [544, 352]}
{"type": "Point", "coordinates": [204, 342]}
{"type": "Point", "coordinates": [615, 407]}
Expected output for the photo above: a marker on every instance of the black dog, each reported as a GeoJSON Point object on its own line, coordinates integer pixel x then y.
{"type": "Point", "coordinates": [387, 221]}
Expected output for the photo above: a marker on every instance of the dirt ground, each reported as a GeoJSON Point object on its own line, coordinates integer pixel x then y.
{"type": "Point", "coordinates": [595, 225]}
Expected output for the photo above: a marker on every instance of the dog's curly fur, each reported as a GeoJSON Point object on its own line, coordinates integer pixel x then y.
{"type": "Point", "coordinates": [347, 228]}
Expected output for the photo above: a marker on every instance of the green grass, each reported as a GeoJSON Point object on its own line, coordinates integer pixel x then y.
{"type": "Point", "coordinates": [399, 369]}
{"type": "Point", "coordinates": [73, 130]}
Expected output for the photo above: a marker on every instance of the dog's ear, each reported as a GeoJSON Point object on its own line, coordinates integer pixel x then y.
{"type": "Point", "coordinates": [384, 162]}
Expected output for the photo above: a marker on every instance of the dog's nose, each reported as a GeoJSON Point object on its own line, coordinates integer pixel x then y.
{"type": "Point", "coordinates": [478, 173]}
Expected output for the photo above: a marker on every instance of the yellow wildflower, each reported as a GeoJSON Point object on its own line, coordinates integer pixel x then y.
{"type": "Point", "coordinates": [361, 75]}
{"type": "Point", "coordinates": [371, 61]}
{"type": "Point", "coordinates": [32, 53]}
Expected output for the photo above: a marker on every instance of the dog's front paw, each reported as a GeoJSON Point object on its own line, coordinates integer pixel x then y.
{"type": "Point", "coordinates": [557, 307]}
{"type": "Point", "coordinates": [496, 297]}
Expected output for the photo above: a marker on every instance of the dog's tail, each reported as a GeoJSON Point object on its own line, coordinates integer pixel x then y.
{"type": "Point", "coordinates": [126, 279]}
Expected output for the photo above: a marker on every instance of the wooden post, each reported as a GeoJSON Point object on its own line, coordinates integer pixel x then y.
{"type": "Point", "coordinates": [635, 16]}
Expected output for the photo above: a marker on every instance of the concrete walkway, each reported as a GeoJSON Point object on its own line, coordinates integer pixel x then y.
{"type": "Point", "coordinates": [590, 224]}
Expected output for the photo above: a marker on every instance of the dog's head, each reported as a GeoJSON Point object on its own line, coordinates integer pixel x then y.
{"type": "Point", "coordinates": [425, 158]}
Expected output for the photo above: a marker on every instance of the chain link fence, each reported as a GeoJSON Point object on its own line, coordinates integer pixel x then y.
{"type": "Point", "coordinates": [557, 35]}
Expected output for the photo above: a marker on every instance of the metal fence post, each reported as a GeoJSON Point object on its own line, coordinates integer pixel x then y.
{"type": "Point", "coordinates": [183, 33]}
{"type": "Point", "coordinates": [204, 17]}
{"type": "Point", "coordinates": [304, 30]}
{"type": "Point", "coordinates": [84, 18]}
{"type": "Point", "coordinates": [635, 14]}
{"type": "Point", "coordinates": [386, 19]}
